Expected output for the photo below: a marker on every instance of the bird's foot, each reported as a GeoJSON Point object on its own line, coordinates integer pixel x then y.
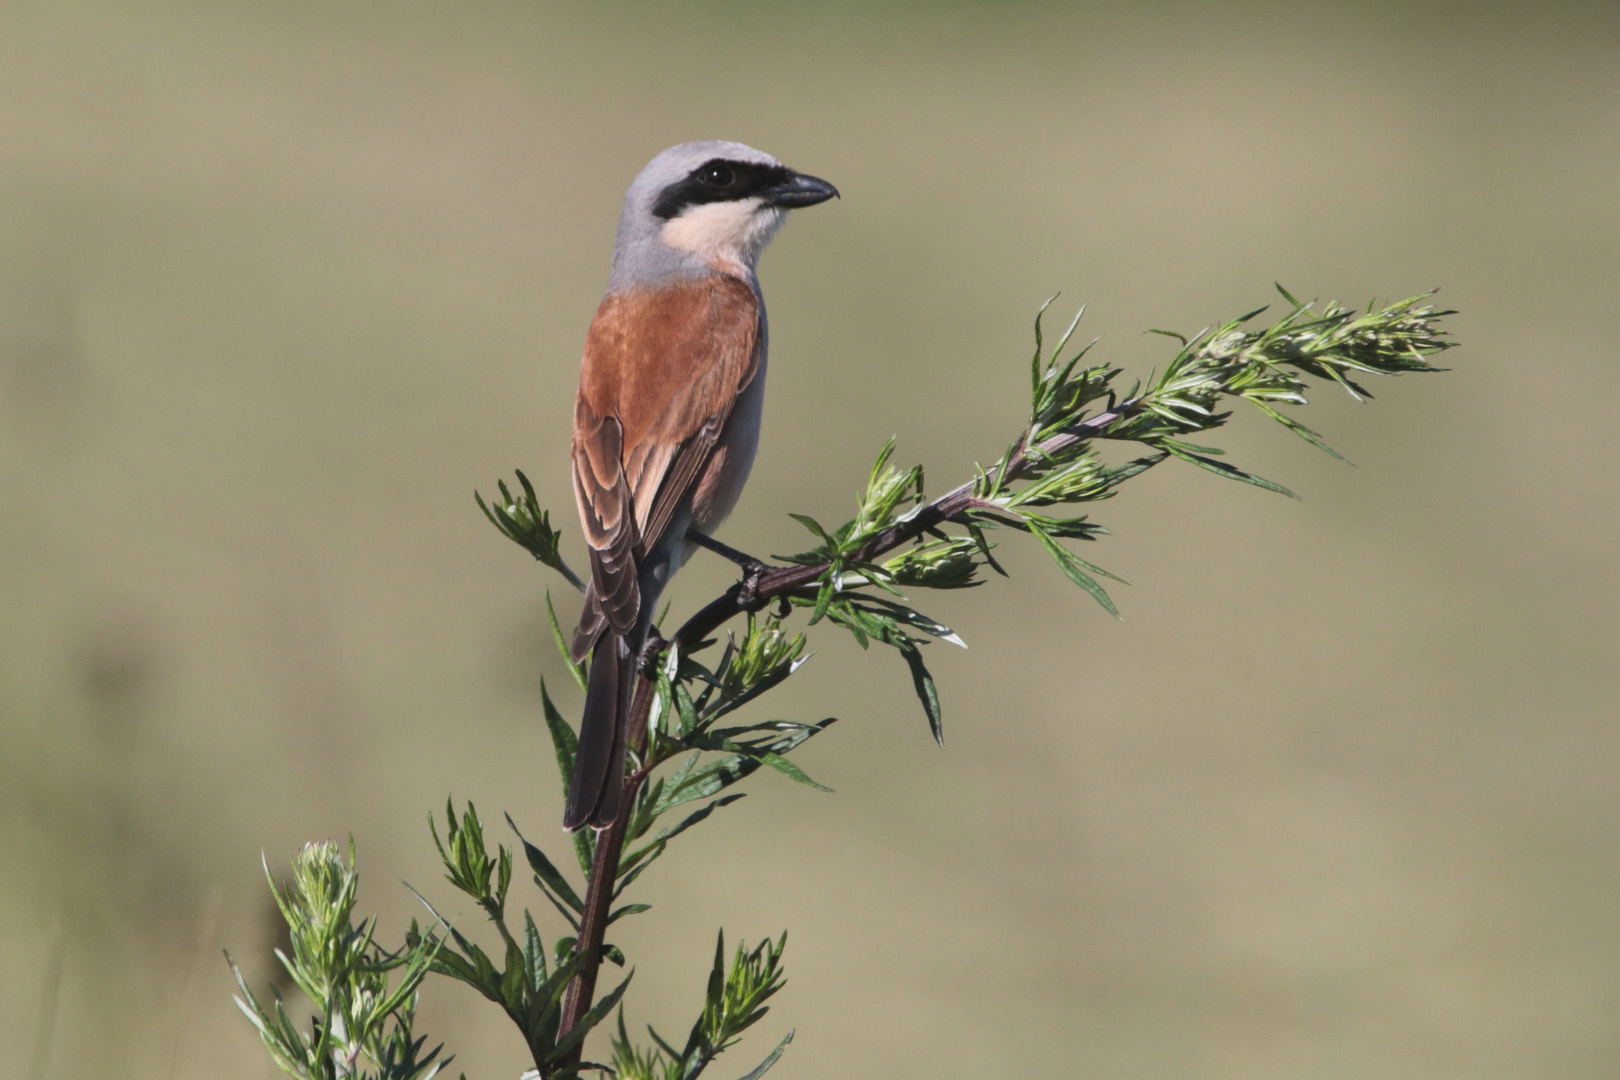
{"type": "Point", "coordinates": [748, 589]}
{"type": "Point", "coordinates": [651, 650]}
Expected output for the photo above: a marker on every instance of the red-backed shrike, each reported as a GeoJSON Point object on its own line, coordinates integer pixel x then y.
{"type": "Point", "coordinates": [667, 417]}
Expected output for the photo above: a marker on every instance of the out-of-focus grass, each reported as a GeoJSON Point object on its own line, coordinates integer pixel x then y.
{"type": "Point", "coordinates": [280, 285]}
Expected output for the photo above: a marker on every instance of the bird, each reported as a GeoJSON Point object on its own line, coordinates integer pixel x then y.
{"type": "Point", "coordinates": [667, 417]}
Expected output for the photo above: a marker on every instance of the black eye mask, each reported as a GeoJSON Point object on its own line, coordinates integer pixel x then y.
{"type": "Point", "coordinates": [719, 180]}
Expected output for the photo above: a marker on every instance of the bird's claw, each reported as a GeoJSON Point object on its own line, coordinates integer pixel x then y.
{"type": "Point", "coordinates": [748, 589]}
{"type": "Point", "coordinates": [651, 650]}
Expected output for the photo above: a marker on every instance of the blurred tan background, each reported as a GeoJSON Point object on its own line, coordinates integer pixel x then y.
{"type": "Point", "coordinates": [281, 284]}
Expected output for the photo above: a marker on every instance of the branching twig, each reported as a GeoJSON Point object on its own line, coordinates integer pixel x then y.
{"type": "Point", "coordinates": [794, 580]}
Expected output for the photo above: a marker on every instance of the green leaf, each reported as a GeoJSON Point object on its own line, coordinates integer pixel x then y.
{"type": "Point", "coordinates": [984, 547]}
{"type": "Point", "coordinates": [525, 524]}
{"type": "Point", "coordinates": [763, 755]}
{"type": "Point", "coordinates": [1231, 472]}
{"type": "Point", "coordinates": [1298, 429]}
{"type": "Point", "coordinates": [654, 851]}
{"type": "Point", "coordinates": [927, 692]}
{"type": "Point", "coordinates": [1124, 472]}
{"type": "Point", "coordinates": [910, 617]}
{"type": "Point", "coordinates": [1064, 340]}
{"type": "Point", "coordinates": [685, 708]}
{"type": "Point", "coordinates": [723, 772]}
{"type": "Point", "coordinates": [713, 776]}
{"type": "Point", "coordinates": [534, 953]}
{"type": "Point", "coordinates": [772, 678]}
{"type": "Point", "coordinates": [824, 597]}
{"type": "Point", "coordinates": [789, 770]}
{"type": "Point", "coordinates": [698, 816]}
{"type": "Point", "coordinates": [596, 1015]}
{"type": "Point", "coordinates": [716, 990]}
{"type": "Point", "coordinates": [813, 525]}
{"type": "Point", "coordinates": [763, 1067]}
{"type": "Point", "coordinates": [1073, 569]}
{"type": "Point", "coordinates": [548, 873]}
{"type": "Point", "coordinates": [514, 980]}
{"type": "Point", "coordinates": [585, 849]}
{"type": "Point", "coordinates": [563, 739]}
{"type": "Point", "coordinates": [1040, 351]}
{"type": "Point", "coordinates": [576, 670]}
{"type": "Point", "coordinates": [637, 859]}
{"type": "Point", "coordinates": [628, 909]}
{"type": "Point", "coordinates": [1179, 444]}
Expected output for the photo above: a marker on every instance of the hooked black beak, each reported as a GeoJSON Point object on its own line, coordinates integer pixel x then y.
{"type": "Point", "coordinates": [799, 191]}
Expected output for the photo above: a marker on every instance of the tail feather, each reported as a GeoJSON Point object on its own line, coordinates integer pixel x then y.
{"type": "Point", "coordinates": [607, 807]}
{"type": "Point", "coordinates": [592, 622]}
{"type": "Point", "coordinates": [596, 791]}
{"type": "Point", "coordinates": [593, 792]}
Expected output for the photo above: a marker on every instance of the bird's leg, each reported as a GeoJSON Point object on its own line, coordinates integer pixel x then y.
{"type": "Point", "coordinates": [725, 551]}
{"type": "Point", "coordinates": [753, 569]}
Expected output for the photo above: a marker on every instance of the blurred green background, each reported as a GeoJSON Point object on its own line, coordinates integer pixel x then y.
{"type": "Point", "coordinates": [281, 284]}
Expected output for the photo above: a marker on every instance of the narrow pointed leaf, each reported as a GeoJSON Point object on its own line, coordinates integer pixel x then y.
{"type": "Point", "coordinates": [1074, 570]}
{"type": "Point", "coordinates": [534, 952]}
{"type": "Point", "coordinates": [576, 670]}
{"type": "Point", "coordinates": [927, 692]}
{"type": "Point", "coordinates": [813, 525]}
{"type": "Point", "coordinates": [548, 873]}
{"type": "Point", "coordinates": [597, 1013]}
{"type": "Point", "coordinates": [1231, 472]}
{"type": "Point", "coordinates": [763, 1067]}
{"type": "Point", "coordinates": [563, 739]}
{"type": "Point", "coordinates": [1298, 429]}
{"type": "Point", "coordinates": [790, 770]}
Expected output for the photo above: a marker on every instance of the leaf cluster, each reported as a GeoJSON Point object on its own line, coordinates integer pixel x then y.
{"type": "Point", "coordinates": [690, 699]}
{"type": "Point", "coordinates": [530, 982]}
{"type": "Point", "coordinates": [848, 592]}
{"type": "Point", "coordinates": [522, 521]}
{"type": "Point", "coordinates": [1055, 461]}
{"type": "Point", "coordinates": [734, 1000]}
{"type": "Point", "coordinates": [1267, 368]}
{"type": "Point", "coordinates": [346, 975]}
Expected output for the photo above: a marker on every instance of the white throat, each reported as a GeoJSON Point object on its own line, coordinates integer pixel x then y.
{"type": "Point", "coordinates": [728, 231]}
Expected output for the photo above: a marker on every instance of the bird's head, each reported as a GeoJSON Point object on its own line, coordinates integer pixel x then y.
{"type": "Point", "coordinates": [716, 204]}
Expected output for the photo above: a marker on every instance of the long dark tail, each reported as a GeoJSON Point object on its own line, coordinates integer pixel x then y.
{"type": "Point", "coordinates": [598, 781]}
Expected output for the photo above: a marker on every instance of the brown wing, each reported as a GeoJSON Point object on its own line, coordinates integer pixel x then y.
{"type": "Point", "coordinates": [662, 370]}
{"type": "Point", "coordinates": [607, 516]}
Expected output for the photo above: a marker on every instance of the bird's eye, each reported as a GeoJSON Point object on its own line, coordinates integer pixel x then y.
{"type": "Point", "coordinates": [718, 175]}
